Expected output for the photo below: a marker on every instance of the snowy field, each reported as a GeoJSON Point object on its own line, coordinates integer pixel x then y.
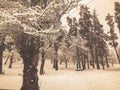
{"type": "Point", "coordinates": [64, 79]}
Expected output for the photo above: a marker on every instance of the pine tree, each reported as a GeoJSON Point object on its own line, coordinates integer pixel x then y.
{"type": "Point", "coordinates": [86, 30]}
{"type": "Point", "coordinates": [100, 39]}
{"type": "Point", "coordinates": [113, 36]}
{"type": "Point", "coordinates": [117, 14]}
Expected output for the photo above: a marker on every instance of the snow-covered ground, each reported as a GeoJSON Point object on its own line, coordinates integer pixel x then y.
{"type": "Point", "coordinates": [64, 79]}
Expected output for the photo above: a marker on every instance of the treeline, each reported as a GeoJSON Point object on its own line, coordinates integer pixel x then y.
{"type": "Point", "coordinates": [86, 44]}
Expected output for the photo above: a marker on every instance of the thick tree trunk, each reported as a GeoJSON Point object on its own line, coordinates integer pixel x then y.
{"type": "Point", "coordinates": [28, 46]}
{"type": "Point", "coordinates": [42, 61]}
{"type": "Point", "coordinates": [30, 78]}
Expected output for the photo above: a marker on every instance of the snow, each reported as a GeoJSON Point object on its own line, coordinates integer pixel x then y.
{"type": "Point", "coordinates": [64, 79]}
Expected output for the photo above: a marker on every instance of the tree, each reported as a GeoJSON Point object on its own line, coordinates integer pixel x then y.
{"type": "Point", "coordinates": [86, 30]}
{"type": "Point", "coordinates": [42, 57]}
{"type": "Point", "coordinates": [117, 14]}
{"type": "Point", "coordinates": [27, 23]}
{"type": "Point", "coordinates": [78, 50]}
{"type": "Point", "coordinates": [92, 31]}
{"type": "Point", "coordinates": [2, 47]}
{"type": "Point", "coordinates": [56, 44]}
{"type": "Point", "coordinates": [100, 40]}
{"type": "Point", "coordinates": [28, 47]}
{"type": "Point", "coordinates": [113, 36]}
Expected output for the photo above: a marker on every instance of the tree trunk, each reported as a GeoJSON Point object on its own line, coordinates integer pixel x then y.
{"type": "Point", "coordinates": [102, 62]}
{"type": "Point", "coordinates": [78, 65]}
{"type": "Point", "coordinates": [93, 61]}
{"type": "Point", "coordinates": [107, 64]}
{"type": "Point", "coordinates": [96, 58]}
{"type": "Point", "coordinates": [66, 63]}
{"type": "Point", "coordinates": [117, 54]}
{"type": "Point", "coordinates": [83, 63]}
{"type": "Point", "coordinates": [6, 60]}
{"type": "Point", "coordinates": [1, 56]}
{"type": "Point", "coordinates": [30, 78]}
{"type": "Point", "coordinates": [55, 63]}
{"type": "Point", "coordinates": [42, 61]}
{"type": "Point", "coordinates": [28, 46]}
{"type": "Point", "coordinates": [11, 61]}
{"type": "Point", "coordinates": [88, 63]}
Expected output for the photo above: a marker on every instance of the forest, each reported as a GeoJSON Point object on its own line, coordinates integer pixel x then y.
{"type": "Point", "coordinates": [32, 35]}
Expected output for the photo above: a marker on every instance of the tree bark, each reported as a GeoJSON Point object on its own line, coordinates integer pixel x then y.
{"type": "Point", "coordinates": [6, 60]}
{"type": "Point", "coordinates": [55, 63]}
{"type": "Point", "coordinates": [83, 63]}
{"type": "Point", "coordinates": [42, 61]}
{"type": "Point", "coordinates": [1, 56]}
{"type": "Point", "coordinates": [88, 65]}
{"type": "Point", "coordinates": [93, 61]}
{"type": "Point", "coordinates": [96, 57]}
{"type": "Point", "coordinates": [102, 62]}
{"type": "Point", "coordinates": [30, 78]}
{"type": "Point", "coordinates": [78, 65]}
{"type": "Point", "coordinates": [11, 61]}
{"type": "Point", "coordinates": [107, 64]}
{"type": "Point", "coordinates": [117, 54]}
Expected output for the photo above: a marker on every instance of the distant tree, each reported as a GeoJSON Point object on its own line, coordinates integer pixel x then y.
{"type": "Point", "coordinates": [92, 31]}
{"type": "Point", "coordinates": [56, 44]}
{"type": "Point", "coordinates": [117, 14]}
{"type": "Point", "coordinates": [113, 36]}
{"type": "Point", "coordinates": [100, 40]}
{"type": "Point", "coordinates": [86, 30]}
{"type": "Point", "coordinates": [75, 44]}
